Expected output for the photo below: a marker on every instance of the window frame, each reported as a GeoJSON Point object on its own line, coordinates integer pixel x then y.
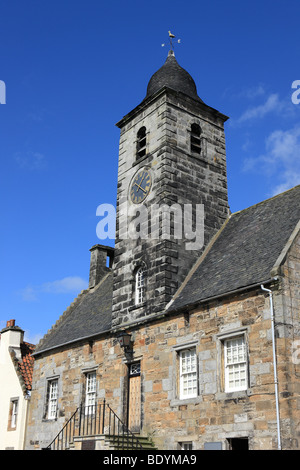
{"type": "Point", "coordinates": [195, 138]}
{"type": "Point", "coordinates": [13, 413]}
{"type": "Point", "coordinates": [141, 143]}
{"type": "Point", "coordinates": [139, 286]}
{"type": "Point", "coordinates": [184, 374]}
{"type": "Point", "coordinates": [52, 399]}
{"type": "Point", "coordinates": [90, 393]}
{"type": "Point", "coordinates": [242, 363]}
{"type": "Point", "coordinates": [186, 445]}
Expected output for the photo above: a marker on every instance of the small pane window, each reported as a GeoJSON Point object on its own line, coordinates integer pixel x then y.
{"type": "Point", "coordinates": [141, 143]}
{"type": "Point", "coordinates": [186, 445]}
{"type": "Point", "coordinates": [235, 364]}
{"type": "Point", "coordinates": [188, 374]}
{"type": "Point", "coordinates": [195, 139]}
{"type": "Point", "coordinates": [13, 413]}
{"type": "Point", "coordinates": [52, 400]}
{"type": "Point", "coordinates": [139, 286]}
{"type": "Point", "coordinates": [90, 397]}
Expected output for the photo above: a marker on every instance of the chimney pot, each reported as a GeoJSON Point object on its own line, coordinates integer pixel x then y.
{"type": "Point", "coordinates": [10, 323]}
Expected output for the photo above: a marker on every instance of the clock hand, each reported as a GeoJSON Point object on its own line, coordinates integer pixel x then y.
{"type": "Point", "coordinates": [140, 187]}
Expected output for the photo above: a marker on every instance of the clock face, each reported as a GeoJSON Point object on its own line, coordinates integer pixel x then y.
{"type": "Point", "coordinates": [140, 186]}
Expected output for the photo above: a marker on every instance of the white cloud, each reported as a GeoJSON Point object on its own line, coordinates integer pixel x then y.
{"type": "Point", "coordinates": [272, 105]}
{"type": "Point", "coordinates": [248, 93]}
{"type": "Point", "coordinates": [258, 112]}
{"type": "Point", "coordinates": [253, 92]}
{"type": "Point", "coordinates": [29, 294]}
{"type": "Point", "coordinates": [67, 285]}
{"type": "Point", "coordinates": [281, 159]}
{"type": "Point", "coordinates": [30, 160]}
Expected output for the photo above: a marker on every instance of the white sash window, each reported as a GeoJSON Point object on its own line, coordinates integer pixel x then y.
{"type": "Point", "coordinates": [188, 373]}
{"type": "Point", "coordinates": [90, 396]}
{"type": "Point", "coordinates": [52, 401]}
{"type": "Point", "coordinates": [235, 364]}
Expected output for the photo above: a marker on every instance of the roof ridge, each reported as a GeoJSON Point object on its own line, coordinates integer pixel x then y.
{"type": "Point", "coordinates": [266, 200]}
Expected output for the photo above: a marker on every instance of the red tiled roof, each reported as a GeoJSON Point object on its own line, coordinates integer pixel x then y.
{"type": "Point", "coordinates": [26, 364]}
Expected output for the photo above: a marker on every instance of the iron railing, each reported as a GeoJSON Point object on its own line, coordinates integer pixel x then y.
{"type": "Point", "coordinates": [97, 419]}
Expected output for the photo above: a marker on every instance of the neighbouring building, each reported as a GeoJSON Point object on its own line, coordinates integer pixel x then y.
{"type": "Point", "coordinates": [16, 366]}
{"type": "Point", "coordinates": [186, 337]}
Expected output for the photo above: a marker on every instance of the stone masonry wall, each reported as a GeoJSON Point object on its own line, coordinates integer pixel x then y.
{"type": "Point", "coordinates": [212, 416]}
{"type": "Point", "coordinates": [287, 313]}
{"type": "Point", "coordinates": [178, 177]}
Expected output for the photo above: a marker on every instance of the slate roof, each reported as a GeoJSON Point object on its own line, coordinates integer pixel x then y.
{"type": "Point", "coordinates": [89, 315]}
{"type": "Point", "coordinates": [244, 251]}
{"type": "Point", "coordinates": [172, 75]}
{"type": "Point", "coordinates": [242, 254]}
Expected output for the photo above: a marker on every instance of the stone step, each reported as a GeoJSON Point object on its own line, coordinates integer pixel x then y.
{"type": "Point", "coordinates": [121, 442]}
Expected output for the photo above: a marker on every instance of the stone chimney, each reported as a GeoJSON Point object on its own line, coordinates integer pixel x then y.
{"type": "Point", "coordinates": [101, 263]}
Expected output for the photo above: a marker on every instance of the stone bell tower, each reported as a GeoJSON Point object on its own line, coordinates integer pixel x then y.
{"type": "Point", "coordinates": [171, 155]}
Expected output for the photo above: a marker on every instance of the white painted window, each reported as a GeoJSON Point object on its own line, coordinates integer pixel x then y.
{"type": "Point", "coordinates": [14, 413]}
{"type": "Point", "coordinates": [235, 360]}
{"type": "Point", "coordinates": [52, 398]}
{"type": "Point", "coordinates": [139, 286]}
{"type": "Point", "coordinates": [90, 394]}
{"type": "Point", "coordinates": [188, 373]}
{"type": "Point", "coordinates": [186, 445]}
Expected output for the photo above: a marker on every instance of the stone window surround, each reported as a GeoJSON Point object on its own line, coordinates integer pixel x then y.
{"type": "Point", "coordinates": [175, 393]}
{"type": "Point", "coordinates": [50, 379]}
{"type": "Point", "coordinates": [13, 406]}
{"type": "Point", "coordinates": [85, 371]}
{"type": "Point", "coordinates": [220, 339]}
{"type": "Point", "coordinates": [221, 394]}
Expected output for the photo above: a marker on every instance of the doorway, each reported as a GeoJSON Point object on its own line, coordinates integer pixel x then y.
{"type": "Point", "coordinates": [134, 397]}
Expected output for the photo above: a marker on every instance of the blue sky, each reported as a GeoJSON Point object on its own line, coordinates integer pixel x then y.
{"type": "Point", "coordinates": [72, 69]}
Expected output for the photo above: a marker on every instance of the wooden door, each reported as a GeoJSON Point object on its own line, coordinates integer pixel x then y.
{"type": "Point", "coordinates": [134, 398]}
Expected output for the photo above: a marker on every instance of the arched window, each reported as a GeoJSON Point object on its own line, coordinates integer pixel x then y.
{"type": "Point", "coordinates": [139, 286]}
{"type": "Point", "coordinates": [195, 139]}
{"type": "Point", "coordinates": [141, 143]}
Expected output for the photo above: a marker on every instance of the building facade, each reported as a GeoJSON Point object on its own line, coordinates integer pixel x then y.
{"type": "Point", "coordinates": [208, 301]}
{"type": "Point", "coordinates": [16, 365]}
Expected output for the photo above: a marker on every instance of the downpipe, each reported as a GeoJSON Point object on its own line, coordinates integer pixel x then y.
{"type": "Point", "coordinates": [274, 364]}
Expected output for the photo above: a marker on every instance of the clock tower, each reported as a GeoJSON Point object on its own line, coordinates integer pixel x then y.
{"type": "Point", "coordinates": [172, 192]}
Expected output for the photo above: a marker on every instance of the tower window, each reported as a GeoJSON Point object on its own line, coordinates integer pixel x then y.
{"type": "Point", "coordinates": [195, 139]}
{"type": "Point", "coordinates": [139, 286]}
{"type": "Point", "coordinates": [141, 143]}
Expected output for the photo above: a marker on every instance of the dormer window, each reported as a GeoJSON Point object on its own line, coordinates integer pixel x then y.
{"type": "Point", "coordinates": [139, 286]}
{"type": "Point", "coordinates": [195, 139]}
{"type": "Point", "coordinates": [141, 143]}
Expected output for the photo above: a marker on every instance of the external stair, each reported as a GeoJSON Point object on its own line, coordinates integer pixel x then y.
{"type": "Point", "coordinates": [123, 443]}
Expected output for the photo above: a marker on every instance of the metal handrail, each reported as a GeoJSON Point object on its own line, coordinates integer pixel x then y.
{"type": "Point", "coordinates": [97, 419]}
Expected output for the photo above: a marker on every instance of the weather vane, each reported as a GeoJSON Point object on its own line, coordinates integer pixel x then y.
{"type": "Point", "coordinates": [171, 37]}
